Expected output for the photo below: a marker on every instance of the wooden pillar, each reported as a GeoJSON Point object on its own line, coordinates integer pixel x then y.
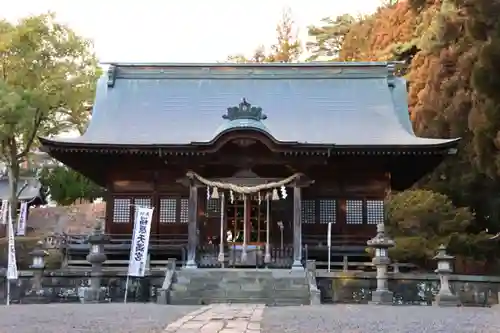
{"type": "Point", "coordinates": [297, 228]}
{"type": "Point", "coordinates": [192, 226]}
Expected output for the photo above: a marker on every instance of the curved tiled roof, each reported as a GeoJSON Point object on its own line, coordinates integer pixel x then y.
{"type": "Point", "coordinates": [345, 104]}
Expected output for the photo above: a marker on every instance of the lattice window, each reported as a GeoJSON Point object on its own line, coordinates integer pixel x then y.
{"type": "Point", "coordinates": [308, 211]}
{"type": "Point", "coordinates": [374, 211]}
{"type": "Point", "coordinates": [327, 211]}
{"type": "Point", "coordinates": [354, 211]}
{"type": "Point", "coordinates": [168, 210]}
{"type": "Point", "coordinates": [184, 207]}
{"type": "Point", "coordinates": [121, 210]}
{"type": "Point", "coordinates": [213, 206]}
{"type": "Point", "coordinates": [143, 202]}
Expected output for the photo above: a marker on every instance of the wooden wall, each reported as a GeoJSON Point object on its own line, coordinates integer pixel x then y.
{"type": "Point", "coordinates": [352, 197]}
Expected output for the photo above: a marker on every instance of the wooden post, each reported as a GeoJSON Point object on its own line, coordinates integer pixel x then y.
{"type": "Point", "coordinates": [192, 225]}
{"type": "Point", "coordinates": [297, 228]}
{"type": "Point", "coordinates": [245, 227]}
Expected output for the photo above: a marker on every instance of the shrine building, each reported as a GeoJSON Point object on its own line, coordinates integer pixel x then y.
{"type": "Point", "coordinates": [250, 159]}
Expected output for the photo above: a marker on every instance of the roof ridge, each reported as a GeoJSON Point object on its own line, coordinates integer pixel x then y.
{"type": "Point", "coordinates": [261, 65]}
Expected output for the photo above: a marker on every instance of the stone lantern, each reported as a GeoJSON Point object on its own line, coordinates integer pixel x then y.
{"type": "Point", "coordinates": [96, 258]}
{"type": "Point", "coordinates": [444, 268]}
{"type": "Point", "coordinates": [38, 266]}
{"type": "Point", "coordinates": [381, 244]}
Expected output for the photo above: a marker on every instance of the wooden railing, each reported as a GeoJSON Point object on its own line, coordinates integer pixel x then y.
{"type": "Point", "coordinates": [346, 253]}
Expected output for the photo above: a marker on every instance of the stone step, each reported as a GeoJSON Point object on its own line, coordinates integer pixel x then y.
{"type": "Point", "coordinates": [256, 300]}
{"type": "Point", "coordinates": [240, 286]}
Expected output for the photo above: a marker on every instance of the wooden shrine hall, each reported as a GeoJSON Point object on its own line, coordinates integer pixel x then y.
{"type": "Point", "coordinates": [244, 161]}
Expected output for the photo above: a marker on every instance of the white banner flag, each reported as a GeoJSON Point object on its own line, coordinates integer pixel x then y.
{"type": "Point", "coordinates": [21, 221]}
{"type": "Point", "coordinates": [140, 241]}
{"type": "Point", "coordinates": [3, 211]}
{"type": "Point", "coordinates": [12, 263]}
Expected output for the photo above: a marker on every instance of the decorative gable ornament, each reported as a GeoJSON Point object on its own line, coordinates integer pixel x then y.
{"type": "Point", "coordinates": [246, 111]}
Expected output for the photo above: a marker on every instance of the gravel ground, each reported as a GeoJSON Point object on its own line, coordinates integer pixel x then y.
{"type": "Point", "coordinates": [91, 318]}
{"type": "Point", "coordinates": [380, 319]}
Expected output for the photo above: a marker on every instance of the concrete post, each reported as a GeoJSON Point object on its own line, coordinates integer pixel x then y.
{"type": "Point", "coordinates": [381, 243]}
{"type": "Point", "coordinates": [96, 258]}
{"type": "Point", "coordinates": [445, 297]}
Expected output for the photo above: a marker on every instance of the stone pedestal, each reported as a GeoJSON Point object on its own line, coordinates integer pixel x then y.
{"type": "Point", "coordinates": [446, 300]}
{"type": "Point", "coordinates": [381, 297]}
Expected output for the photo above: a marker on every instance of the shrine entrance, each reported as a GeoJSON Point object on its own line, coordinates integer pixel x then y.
{"type": "Point", "coordinates": [245, 217]}
{"type": "Point", "coordinates": [255, 222]}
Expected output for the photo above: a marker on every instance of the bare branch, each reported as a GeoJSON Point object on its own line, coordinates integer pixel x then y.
{"type": "Point", "coordinates": [36, 124]}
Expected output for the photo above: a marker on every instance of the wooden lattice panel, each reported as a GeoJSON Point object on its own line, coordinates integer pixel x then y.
{"type": "Point", "coordinates": [374, 211]}
{"type": "Point", "coordinates": [213, 206]}
{"type": "Point", "coordinates": [184, 213]}
{"type": "Point", "coordinates": [142, 202]}
{"type": "Point", "coordinates": [168, 210]}
{"type": "Point", "coordinates": [327, 211]}
{"type": "Point", "coordinates": [354, 211]}
{"type": "Point", "coordinates": [121, 210]}
{"type": "Point", "coordinates": [308, 211]}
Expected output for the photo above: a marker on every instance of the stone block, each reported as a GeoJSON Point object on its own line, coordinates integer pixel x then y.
{"type": "Point", "coordinates": [163, 297]}
{"type": "Point", "coordinates": [383, 297]}
{"type": "Point", "coordinates": [446, 300]}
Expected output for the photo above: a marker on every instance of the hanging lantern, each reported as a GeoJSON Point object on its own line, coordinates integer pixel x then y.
{"type": "Point", "coordinates": [259, 197]}
{"type": "Point", "coordinates": [275, 194]}
{"type": "Point", "coordinates": [231, 196]}
{"type": "Point", "coordinates": [208, 192]}
{"type": "Point", "coordinates": [283, 192]}
{"type": "Point", "coordinates": [215, 193]}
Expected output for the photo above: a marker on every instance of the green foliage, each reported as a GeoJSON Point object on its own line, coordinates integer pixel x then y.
{"type": "Point", "coordinates": [47, 81]}
{"type": "Point", "coordinates": [421, 220]}
{"type": "Point", "coordinates": [329, 37]}
{"type": "Point", "coordinates": [67, 186]}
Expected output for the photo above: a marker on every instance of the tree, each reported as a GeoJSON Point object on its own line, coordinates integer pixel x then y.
{"type": "Point", "coordinates": [421, 220]}
{"type": "Point", "coordinates": [287, 48]}
{"type": "Point", "coordinates": [67, 186]}
{"type": "Point", "coordinates": [451, 49]}
{"type": "Point", "coordinates": [47, 81]}
{"type": "Point", "coordinates": [329, 37]}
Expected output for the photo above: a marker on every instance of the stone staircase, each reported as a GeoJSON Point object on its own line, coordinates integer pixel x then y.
{"type": "Point", "coordinates": [272, 287]}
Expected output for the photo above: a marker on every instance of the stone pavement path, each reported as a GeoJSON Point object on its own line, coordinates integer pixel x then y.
{"type": "Point", "coordinates": [220, 318]}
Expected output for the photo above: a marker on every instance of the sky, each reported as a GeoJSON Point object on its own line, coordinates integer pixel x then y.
{"type": "Point", "coordinates": [181, 31]}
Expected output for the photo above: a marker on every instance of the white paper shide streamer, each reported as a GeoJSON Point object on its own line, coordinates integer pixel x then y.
{"type": "Point", "coordinates": [12, 263]}
{"type": "Point", "coordinates": [140, 242]}
{"type": "Point", "coordinates": [21, 221]}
